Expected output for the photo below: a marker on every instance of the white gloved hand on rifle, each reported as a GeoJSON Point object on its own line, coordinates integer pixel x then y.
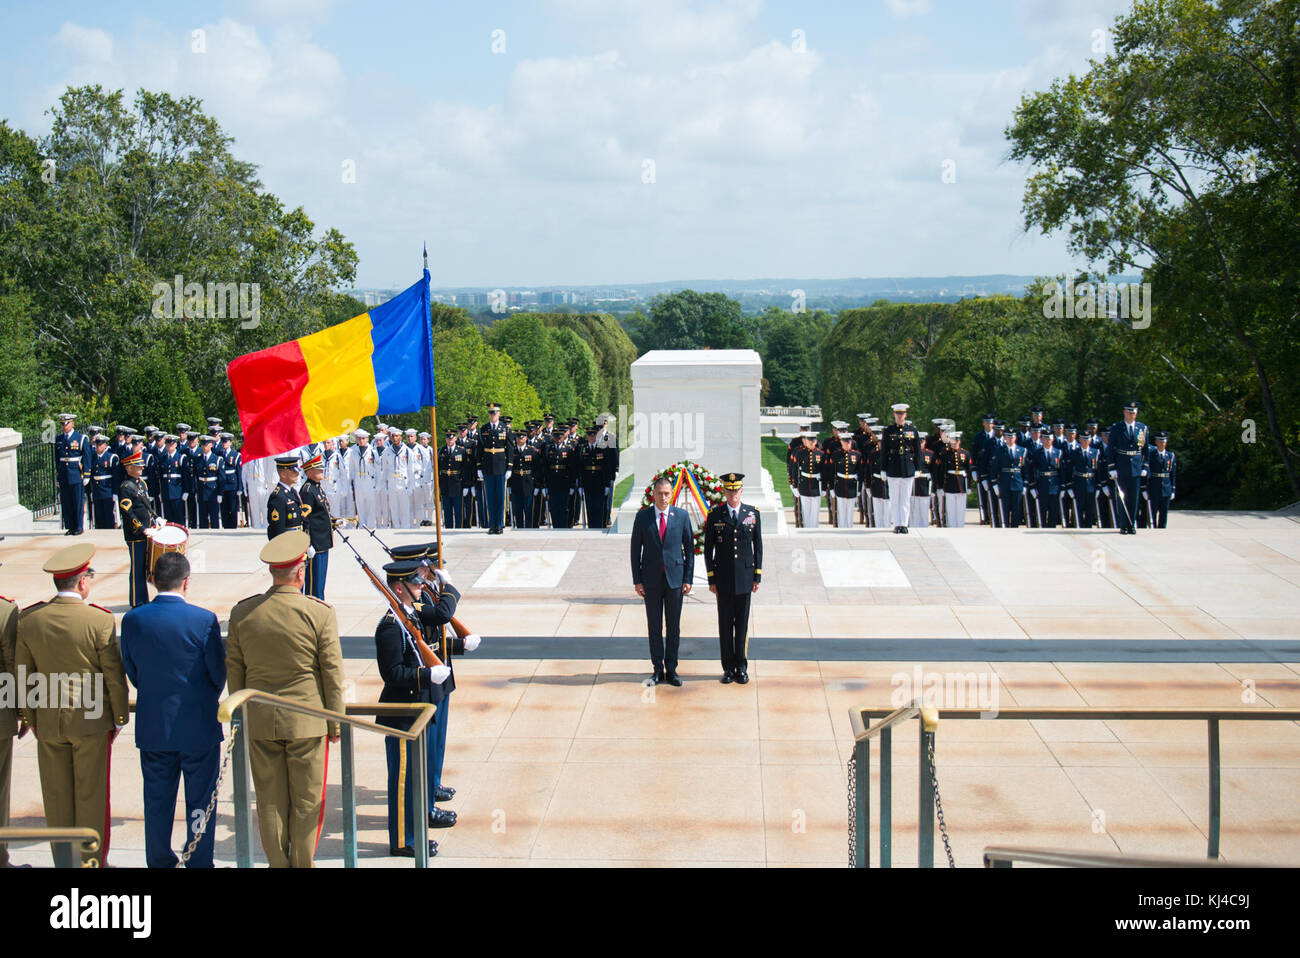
{"type": "Point", "coordinates": [442, 577]}
{"type": "Point", "coordinates": [507, 475]}
{"type": "Point", "coordinates": [439, 674]}
{"type": "Point", "coordinates": [311, 552]}
{"type": "Point", "coordinates": [480, 474]}
{"type": "Point", "coordinates": [472, 641]}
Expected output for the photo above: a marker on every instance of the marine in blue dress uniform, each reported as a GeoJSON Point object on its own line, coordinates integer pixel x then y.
{"type": "Point", "coordinates": [1126, 452]}
{"type": "Point", "coordinates": [72, 467]}
{"type": "Point", "coordinates": [174, 655]}
{"type": "Point", "coordinates": [103, 468]}
{"type": "Point", "coordinates": [407, 680]}
{"type": "Point", "coordinates": [137, 517]}
{"type": "Point", "coordinates": [733, 557]}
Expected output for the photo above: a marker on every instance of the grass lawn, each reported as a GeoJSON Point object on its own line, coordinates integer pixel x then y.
{"type": "Point", "coordinates": [774, 452]}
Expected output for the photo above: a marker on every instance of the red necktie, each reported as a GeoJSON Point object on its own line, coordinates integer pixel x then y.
{"type": "Point", "coordinates": [663, 526]}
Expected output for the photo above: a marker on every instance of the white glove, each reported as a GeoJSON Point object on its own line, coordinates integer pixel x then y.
{"type": "Point", "coordinates": [1144, 472]}
{"type": "Point", "coordinates": [439, 674]}
{"type": "Point", "coordinates": [1106, 490]}
{"type": "Point", "coordinates": [1114, 474]}
{"type": "Point", "coordinates": [159, 522]}
{"type": "Point", "coordinates": [185, 496]}
{"type": "Point", "coordinates": [85, 481]}
{"type": "Point", "coordinates": [1171, 496]}
{"type": "Point", "coordinates": [480, 473]}
{"type": "Point", "coordinates": [1071, 491]}
{"type": "Point", "coordinates": [1034, 493]}
{"type": "Point", "coordinates": [464, 492]}
{"type": "Point", "coordinates": [311, 551]}
{"type": "Point", "coordinates": [472, 642]}
{"type": "Point", "coordinates": [918, 474]}
{"type": "Point", "coordinates": [441, 577]}
{"type": "Point", "coordinates": [507, 475]}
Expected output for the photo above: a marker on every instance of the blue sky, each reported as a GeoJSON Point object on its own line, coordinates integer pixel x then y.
{"type": "Point", "coordinates": [800, 139]}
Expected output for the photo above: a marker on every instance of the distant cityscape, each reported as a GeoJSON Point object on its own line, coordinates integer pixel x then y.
{"type": "Point", "coordinates": [754, 295]}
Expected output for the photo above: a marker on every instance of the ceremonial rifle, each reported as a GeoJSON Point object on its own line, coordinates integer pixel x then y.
{"type": "Point", "coordinates": [427, 656]}
{"type": "Point", "coordinates": [456, 624]}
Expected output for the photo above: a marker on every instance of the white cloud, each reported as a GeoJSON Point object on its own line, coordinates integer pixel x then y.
{"type": "Point", "coordinates": [908, 8]}
{"type": "Point", "coordinates": [87, 42]}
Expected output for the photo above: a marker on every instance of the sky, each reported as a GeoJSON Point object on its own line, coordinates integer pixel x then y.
{"type": "Point", "coordinates": [580, 142]}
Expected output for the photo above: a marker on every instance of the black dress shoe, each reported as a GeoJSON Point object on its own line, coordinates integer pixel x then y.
{"type": "Point", "coordinates": [726, 678]}
{"type": "Point", "coordinates": [672, 678]}
{"type": "Point", "coordinates": [742, 677]}
{"type": "Point", "coordinates": [409, 851]}
{"type": "Point", "coordinates": [655, 679]}
{"type": "Point", "coordinates": [903, 529]}
{"type": "Point", "coordinates": [444, 793]}
{"type": "Point", "coordinates": [442, 818]}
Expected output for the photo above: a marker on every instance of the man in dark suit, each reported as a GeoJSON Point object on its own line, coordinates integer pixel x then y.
{"type": "Point", "coordinates": [663, 566]}
{"type": "Point", "coordinates": [174, 655]}
{"type": "Point", "coordinates": [733, 555]}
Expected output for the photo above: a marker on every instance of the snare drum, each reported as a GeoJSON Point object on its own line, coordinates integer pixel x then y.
{"type": "Point", "coordinates": [170, 538]}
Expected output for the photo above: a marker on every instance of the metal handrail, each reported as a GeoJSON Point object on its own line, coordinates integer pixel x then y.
{"type": "Point", "coordinates": [62, 838]}
{"type": "Point", "coordinates": [862, 735]}
{"type": "Point", "coordinates": [232, 709]}
{"type": "Point", "coordinates": [1001, 856]}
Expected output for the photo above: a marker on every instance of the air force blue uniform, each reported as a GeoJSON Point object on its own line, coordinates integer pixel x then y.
{"type": "Point", "coordinates": [175, 657]}
{"type": "Point", "coordinates": [1010, 465]}
{"type": "Point", "coordinates": [1126, 451]}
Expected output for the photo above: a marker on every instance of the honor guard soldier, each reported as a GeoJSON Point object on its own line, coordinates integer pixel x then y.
{"type": "Point", "coordinates": [1105, 487]}
{"type": "Point", "coordinates": [363, 463]}
{"type": "Point", "coordinates": [878, 486]}
{"type": "Point", "coordinates": [901, 447]}
{"type": "Point", "coordinates": [1010, 464]}
{"type": "Point", "coordinates": [1164, 480]}
{"type": "Point", "coordinates": [207, 474]}
{"type": "Point", "coordinates": [408, 681]}
{"type": "Point", "coordinates": [63, 640]}
{"type": "Point", "coordinates": [426, 453]}
{"type": "Point", "coordinates": [1044, 476]}
{"type": "Point", "coordinates": [153, 450]}
{"type": "Point", "coordinates": [193, 451]}
{"type": "Point", "coordinates": [103, 468]}
{"type": "Point", "coordinates": [988, 467]}
{"type": "Point", "coordinates": [72, 466]}
{"type": "Point", "coordinates": [575, 473]}
{"type": "Point", "coordinates": [523, 467]}
{"type": "Point", "coordinates": [922, 485]}
{"type": "Point", "coordinates": [595, 479]}
{"type": "Point", "coordinates": [314, 507]}
{"type": "Point", "coordinates": [844, 475]}
{"type": "Point", "coordinates": [229, 486]}
{"type": "Point", "coordinates": [284, 506]}
{"type": "Point", "coordinates": [805, 476]}
{"type": "Point", "coordinates": [1126, 452]}
{"type": "Point", "coordinates": [979, 478]}
{"type": "Point", "coordinates": [172, 473]}
{"type": "Point", "coordinates": [451, 473]}
{"type": "Point", "coordinates": [137, 519]}
{"type": "Point", "coordinates": [955, 462]}
{"type": "Point", "coordinates": [400, 484]}
{"type": "Point", "coordinates": [436, 582]}
{"type": "Point", "coordinates": [559, 466]}
{"type": "Point", "coordinates": [733, 557]}
{"type": "Point", "coordinates": [287, 643]}
{"type": "Point", "coordinates": [1085, 466]}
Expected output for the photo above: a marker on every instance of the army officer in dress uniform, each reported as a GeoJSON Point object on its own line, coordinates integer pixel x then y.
{"type": "Point", "coordinates": [71, 643]}
{"type": "Point", "coordinates": [137, 519]}
{"type": "Point", "coordinates": [733, 557]}
{"type": "Point", "coordinates": [287, 643]}
{"type": "Point", "coordinates": [318, 523]}
{"type": "Point", "coordinates": [284, 505]}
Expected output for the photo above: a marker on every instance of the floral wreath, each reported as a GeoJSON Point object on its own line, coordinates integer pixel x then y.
{"type": "Point", "coordinates": [708, 485]}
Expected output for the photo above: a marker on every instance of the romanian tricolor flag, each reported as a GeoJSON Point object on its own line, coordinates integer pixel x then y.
{"type": "Point", "coordinates": [686, 481]}
{"type": "Point", "coordinates": [321, 385]}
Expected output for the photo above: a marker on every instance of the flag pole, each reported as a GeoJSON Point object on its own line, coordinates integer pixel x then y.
{"type": "Point", "coordinates": [435, 439]}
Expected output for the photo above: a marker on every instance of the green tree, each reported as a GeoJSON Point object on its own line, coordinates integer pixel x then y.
{"type": "Point", "coordinates": [1179, 155]}
{"type": "Point", "coordinates": [691, 320]}
{"type": "Point", "coordinates": [527, 340]}
{"type": "Point", "coordinates": [581, 370]}
{"type": "Point", "coordinates": [787, 364]}
{"type": "Point", "coordinates": [469, 374]}
{"type": "Point", "coordinates": [154, 389]}
{"type": "Point", "coordinates": [614, 352]}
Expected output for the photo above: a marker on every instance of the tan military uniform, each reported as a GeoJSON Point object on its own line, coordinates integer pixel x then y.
{"type": "Point", "coordinates": [287, 643]}
{"type": "Point", "coordinates": [8, 715]}
{"type": "Point", "coordinates": [79, 641]}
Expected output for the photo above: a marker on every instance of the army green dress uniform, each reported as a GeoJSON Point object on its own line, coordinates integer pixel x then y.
{"type": "Point", "coordinates": [76, 639]}
{"type": "Point", "coordinates": [137, 518]}
{"type": "Point", "coordinates": [8, 713]}
{"type": "Point", "coordinates": [287, 643]}
{"type": "Point", "coordinates": [733, 558]}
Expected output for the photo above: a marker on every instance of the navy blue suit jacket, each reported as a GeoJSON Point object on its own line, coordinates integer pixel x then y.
{"type": "Point", "coordinates": [675, 555]}
{"type": "Point", "coordinates": [175, 657]}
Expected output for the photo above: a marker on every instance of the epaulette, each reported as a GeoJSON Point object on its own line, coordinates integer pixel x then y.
{"type": "Point", "coordinates": [7, 599]}
{"type": "Point", "coordinates": [35, 605]}
{"type": "Point", "coordinates": [321, 601]}
{"type": "Point", "coordinates": [100, 608]}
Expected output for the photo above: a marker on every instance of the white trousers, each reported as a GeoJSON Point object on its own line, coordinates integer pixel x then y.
{"type": "Point", "coordinates": [844, 507]}
{"type": "Point", "coordinates": [920, 511]}
{"type": "Point", "coordinates": [811, 506]}
{"type": "Point", "coordinates": [399, 507]}
{"type": "Point", "coordinates": [955, 509]}
{"type": "Point", "coordinates": [257, 508]}
{"type": "Point", "coordinates": [900, 500]}
{"type": "Point", "coordinates": [366, 514]}
{"type": "Point", "coordinates": [880, 509]}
